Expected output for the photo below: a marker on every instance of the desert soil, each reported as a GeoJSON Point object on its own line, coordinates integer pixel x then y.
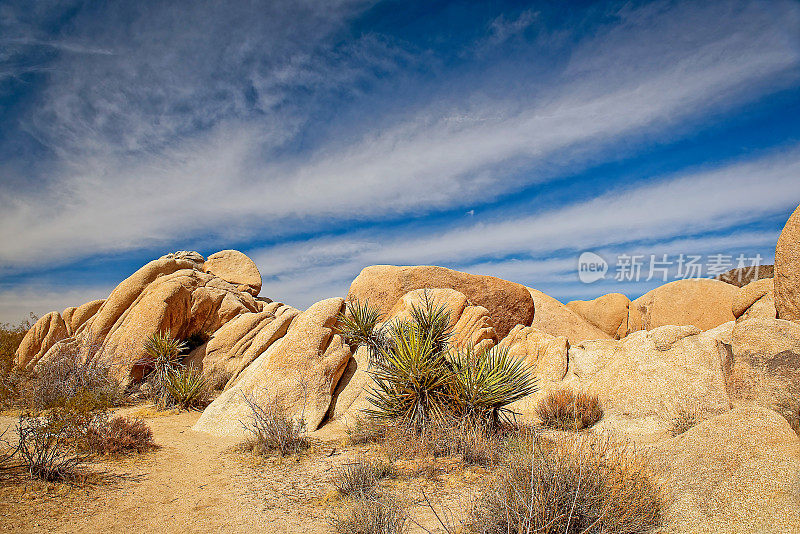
{"type": "Point", "coordinates": [196, 483]}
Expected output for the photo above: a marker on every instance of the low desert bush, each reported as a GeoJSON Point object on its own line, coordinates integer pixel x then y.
{"type": "Point", "coordinates": [109, 434]}
{"type": "Point", "coordinates": [575, 484]}
{"type": "Point", "coordinates": [564, 409]}
{"type": "Point", "coordinates": [272, 429]}
{"type": "Point", "coordinates": [186, 388]}
{"type": "Point", "coordinates": [371, 516]}
{"type": "Point", "coordinates": [360, 478]}
{"type": "Point", "coordinates": [68, 379]}
{"type": "Point", "coordinates": [47, 448]}
{"type": "Point", "coordinates": [365, 429]}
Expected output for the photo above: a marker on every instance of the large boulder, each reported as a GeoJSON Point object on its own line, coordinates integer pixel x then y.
{"type": "Point", "coordinates": [239, 342]}
{"type": "Point", "coordinates": [183, 303]}
{"type": "Point", "coordinates": [472, 325]}
{"type": "Point", "coordinates": [508, 303]}
{"type": "Point", "coordinates": [741, 276]}
{"type": "Point", "coordinates": [553, 318]}
{"type": "Point", "coordinates": [545, 356]}
{"type": "Point", "coordinates": [609, 313]}
{"type": "Point", "coordinates": [787, 270]}
{"type": "Point", "coordinates": [647, 376]}
{"type": "Point", "coordinates": [736, 473]}
{"type": "Point", "coordinates": [47, 331]}
{"type": "Point", "coordinates": [300, 372]}
{"type": "Point", "coordinates": [755, 300]}
{"type": "Point", "coordinates": [701, 302]}
{"type": "Point", "coordinates": [76, 317]}
{"type": "Point", "coordinates": [236, 268]}
{"type": "Point", "coordinates": [766, 365]}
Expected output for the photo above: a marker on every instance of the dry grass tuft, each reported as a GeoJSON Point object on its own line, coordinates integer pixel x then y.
{"type": "Point", "coordinates": [366, 430]}
{"type": "Point", "coordinates": [564, 409]}
{"type": "Point", "coordinates": [684, 419]}
{"type": "Point", "coordinates": [371, 516]}
{"type": "Point", "coordinates": [575, 484]}
{"type": "Point", "coordinates": [360, 478]}
{"type": "Point", "coordinates": [789, 408]}
{"type": "Point", "coordinates": [272, 429]}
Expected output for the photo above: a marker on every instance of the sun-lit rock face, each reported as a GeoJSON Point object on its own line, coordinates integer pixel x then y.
{"type": "Point", "coordinates": [787, 270]}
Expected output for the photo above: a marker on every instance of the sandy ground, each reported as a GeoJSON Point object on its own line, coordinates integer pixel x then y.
{"type": "Point", "coordinates": [196, 482]}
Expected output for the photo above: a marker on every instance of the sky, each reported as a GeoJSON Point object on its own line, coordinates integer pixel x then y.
{"type": "Point", "coordinates": [499, 138]}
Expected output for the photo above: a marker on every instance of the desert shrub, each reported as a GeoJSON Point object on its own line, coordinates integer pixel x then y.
{"type": "Point", "coordinates": [67, 379]}
{"type": "Point", "coordinates": [108, 434]}
{"type": "Point", "coordinates": [357, 325]}
{"type": "Point", "coordinates": [371, 516]}
{"type": "Point", "coordinates": [566, 410]}
{"type": "Point", "coordinates": [46, 445]}
{"type": "Point", "coordinates": [186, 388]}
{"type": "Point", "coordinates": [419, 379]}
{"type": "Point", "coordinates": [365, 429]}
{"type": "Point", "coordinates": [360, 478]}
{"type": "Point", "coordinates": [789, 408]}
{"type": "Point", "coordinates": [272, 429]}
{"type": "Point", "coordinates": [10, 337]}
{"type": "Point", "coordinates": [575, 484]}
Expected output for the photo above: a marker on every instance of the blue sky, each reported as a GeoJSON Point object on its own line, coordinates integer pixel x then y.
{"type": "Point", "coordinates": [498, 138]}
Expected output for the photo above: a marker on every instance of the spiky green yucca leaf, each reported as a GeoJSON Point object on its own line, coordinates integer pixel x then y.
{"type": "Point", "coordinates": [163, 357]}
{"type": "Point", "coordinates": [185, 386]}
{"type": "Point", "coordinates": [410, 377]}
{"type": "Point", "coordinates": [433, 321]}
{"type": "Point", "coordinates": [357, 324]}
{"type": "Point", "coordinates": [484, 383]}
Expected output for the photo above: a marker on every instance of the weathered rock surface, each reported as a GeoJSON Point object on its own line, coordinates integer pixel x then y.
{"type": "Point", "coordinates": [741, 276]}
{"type": "Point", "coordinates": [755, 300]}
{"type": "Point", "coordinates": [703, 303]}
{"type": "Point", "coordinates": [75, 317]}
{"type": "Point", "coordinates": [546, 356]}
{"type": "Point", "coordinates": [738, 472]}
{"type": "Point", "coordinates": [609, 313]}
{"type": "Point", "coordinates": [472, 325]}
{"type": "Point", "coordinates": [47, 331]}
{"type": "Point", "coordinates": [787, 270]}
{"type": "Point", "coordinates": [182, 302]}
{"type": "Point", "coordinates": [508, 303]}
{"type": "Point", "coordinates": [239, 342]}
{"type": "Point", "coordinates": [765, 364]}
{"type": "Point", "coordinates": [300, 372]}
{"type": "Point", "coordinates": [556, 319]}
{"type": "Point", "coordinates": [236, 268]}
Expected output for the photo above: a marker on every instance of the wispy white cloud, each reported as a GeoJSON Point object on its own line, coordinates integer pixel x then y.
{"type": "Point", "coordinates": [16, 303]}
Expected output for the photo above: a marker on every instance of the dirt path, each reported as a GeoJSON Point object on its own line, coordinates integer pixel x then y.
{"type": "Point", "coordinates": [197, 483]}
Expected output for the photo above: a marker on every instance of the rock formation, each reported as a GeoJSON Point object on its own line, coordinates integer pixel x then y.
{"type": "Point", "coordinates": [787, 270]}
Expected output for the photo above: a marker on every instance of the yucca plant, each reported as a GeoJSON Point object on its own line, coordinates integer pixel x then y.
{"type": "Point", "coordinates": [185, 387]}
{"type": "Point", "coordinates": [410, 376]}
{"type": "Point", "coordinates": [163, 357]}
{"type": "Point", "coordinates": [357, 324]}
{"type": "Point", "coordinates": [433, 321]}
{"type": "Point", "coordinates": [485, 383]}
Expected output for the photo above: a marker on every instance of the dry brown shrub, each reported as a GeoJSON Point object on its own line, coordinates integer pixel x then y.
{"type": "Point", "coordinates": [360, 478]}
{"type": "Point", "coordinates": [365, 429]}
{"type": "Point", "coordinates": [118, 435]}
{"type": "Point", "coordinates": [581, 483]}
{"type": "Point", "coordinates": [371, 516]}
{"type": "Point", "coordinates": [272, 429]}
{"type": "Point", "coordinates": [564, 409]}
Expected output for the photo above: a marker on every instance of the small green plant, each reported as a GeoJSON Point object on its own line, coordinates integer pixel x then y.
{"type": "Point", "coordinates": [163, 358]}
{"type": "Point", "coordinates": [357, 324]}
{"type": "Point", "coordinates": [484, 384]}
{"type": "Point", "coordinates": [360, 478]}
{"type": "Point", "coordinates": [186, 387]}
{"type": "Point", "coordinates": [563, 409]}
